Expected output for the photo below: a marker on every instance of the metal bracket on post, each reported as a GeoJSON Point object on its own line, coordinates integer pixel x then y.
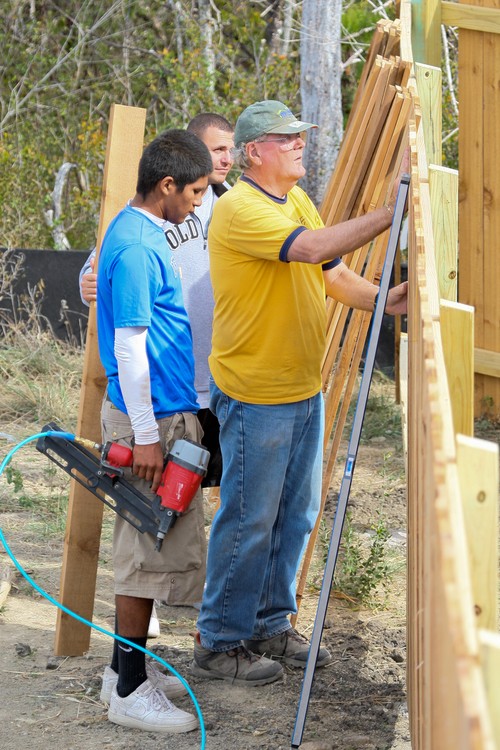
{"type": "Point", "coordinates": [338, 523]}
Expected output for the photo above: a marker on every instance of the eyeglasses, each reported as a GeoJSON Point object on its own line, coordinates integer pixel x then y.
{"type": "Point", "coordinates": [287, 142]}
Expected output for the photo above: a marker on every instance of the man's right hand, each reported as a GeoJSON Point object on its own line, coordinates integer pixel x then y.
{"type": "Point", "coordinates": [148, 463]}
{"type": "Point", "coordinates": [88, 285]}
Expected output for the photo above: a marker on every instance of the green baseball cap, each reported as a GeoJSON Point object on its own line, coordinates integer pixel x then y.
{"type": "Point", "coordinates": [269, 116]}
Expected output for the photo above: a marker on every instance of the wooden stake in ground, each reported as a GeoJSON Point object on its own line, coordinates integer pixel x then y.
{"type": "Point", "coordinates": [83, 526]}
{"type": "Point", "coordinates": [5, 584]}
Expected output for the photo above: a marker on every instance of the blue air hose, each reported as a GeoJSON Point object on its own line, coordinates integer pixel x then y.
{"type": "Point", "coordinates": [70, 436]}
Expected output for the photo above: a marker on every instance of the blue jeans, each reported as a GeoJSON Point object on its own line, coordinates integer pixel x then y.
{"type": "Point", "coordinates": [270, 497]}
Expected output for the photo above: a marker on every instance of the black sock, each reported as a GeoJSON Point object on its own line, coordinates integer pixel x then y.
{"type": "Point", "coordinates": [131, 666]}
{"type": "Point", "coordinates": [114, 658]}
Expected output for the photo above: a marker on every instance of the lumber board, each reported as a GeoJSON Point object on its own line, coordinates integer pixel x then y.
{"type": "Point", "coordinates": [406, 30]}
{"type": "Point", "coordinates": [491, 217]}
{"type": "Point", "coordinates": [393, 142]}
{"type": "Point", "coordinates": [443, 186]}
{"type": "Point", "coordinates": [429, 84]}
{"type": "Point", "coordinates": [403, 391]}
{"type": "Point", "coordinates": [487, 363]}
{"type": "Point", "coordinates": [84, 520]}
{"type": "Point", "coordinates": [447, 701]}
{"type": "Point", "coordinates": [376, 48]}
{"type": "Point", "coordinates": [423, 168]}
{"type": "Point", "coordinates": [472, 17]}
{"type": "Point", "coordinates": [340, 368]}
{"type": "Point", "coordinates": [490, 660]}
{"type": "Point", "coordinates": [426, 31]}
{"type": "Point", "coordinates": [472, 150]}
{"type": "Point", "coordinates": [351, 144]}
{"type": "Point", "coordinates": [477, 462]}
{"type": "Point", "coordinates": [457, 334]}
{"type": "Point", "coordinates": [386, 156]}
{"type": "Point", "coordinates": [428, 248]}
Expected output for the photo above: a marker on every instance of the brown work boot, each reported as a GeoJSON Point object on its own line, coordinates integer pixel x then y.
{"type": "Point", "coordinates": [290, 648]}
{"type": "Point", "coordinates": [238, 666]}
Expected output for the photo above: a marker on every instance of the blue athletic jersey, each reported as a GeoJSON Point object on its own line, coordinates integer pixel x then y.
{"type": "Point", "coordinates": [139, 285]}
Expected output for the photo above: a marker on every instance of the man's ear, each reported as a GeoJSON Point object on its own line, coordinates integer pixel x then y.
{"type": "Point", "coordinates": [252, 152]}
{"type": "Point", "coordinates": [167, 185]}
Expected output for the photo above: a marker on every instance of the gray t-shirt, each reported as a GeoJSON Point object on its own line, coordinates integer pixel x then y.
{"type": "Point", "coordinates": [189, 244]}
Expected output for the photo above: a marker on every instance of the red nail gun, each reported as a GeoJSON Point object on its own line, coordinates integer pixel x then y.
{"type": "Point", "coordinates": [184, 470]}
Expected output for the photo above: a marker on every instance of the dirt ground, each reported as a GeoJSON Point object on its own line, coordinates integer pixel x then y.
{"type": "Point", "coordinates": [358, 701]}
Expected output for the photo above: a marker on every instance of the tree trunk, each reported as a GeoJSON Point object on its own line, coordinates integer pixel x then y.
{"type": "Point", "coordinates": [320, 89]}
{"type": "Point", "coordinates": [55, 214]}
{"type": "Point", "coordinates": [206, 28]}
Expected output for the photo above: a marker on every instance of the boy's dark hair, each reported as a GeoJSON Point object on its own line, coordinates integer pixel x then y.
{"type": "Point", "coordinates": [174, 153]}
{"type": "Point", "coordinates": [205, 120]}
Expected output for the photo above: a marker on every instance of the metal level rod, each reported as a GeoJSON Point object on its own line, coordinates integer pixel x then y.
{"type": "Point", "coordinates": [338, 522]}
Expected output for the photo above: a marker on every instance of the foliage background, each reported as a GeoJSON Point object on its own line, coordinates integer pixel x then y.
{"type": "Point", "coordinates": [64, 64]}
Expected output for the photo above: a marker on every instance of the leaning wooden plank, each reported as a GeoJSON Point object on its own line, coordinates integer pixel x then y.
{"type": "Point", "coordinates": [379, 177]}
{"type": "Point", "coordinates": [405, 43]}
{"type": "Point", "coordinates": [385, 159]}
{"type": "Point", "coordinates": [404, 72]}
{"type": "Point", "coordinates": [362, 146]}
{"type": "Point", "coordinates": [349, 357]}
{"type": "Point", "coordinates": [83, 526]}
{"type": "Point", "coordinates": [338, 399]}
{"type": "Point", "coordinates": [477, 462]}
{"type": "Point", "coordinates": [327, 209]}
{"type": "Point", "coordinates": [377, 47]}
{"type": "Point", "coordinates": [394, 36]}
{"type": "Point", "coordinates": [371, 146]}
{"type": "Point", "coordinates": [331, 456]}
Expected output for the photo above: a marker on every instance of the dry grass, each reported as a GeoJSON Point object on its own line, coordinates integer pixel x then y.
{"type": "Point", "coordinates": [40, 375]}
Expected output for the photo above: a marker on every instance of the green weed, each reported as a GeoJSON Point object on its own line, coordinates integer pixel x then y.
{"type": "Point", "coordinates": [382, 418]}
{"type": "Point", "coordinates": [15, 478]}
{"type": "Point", "coordinates": [362, 566]}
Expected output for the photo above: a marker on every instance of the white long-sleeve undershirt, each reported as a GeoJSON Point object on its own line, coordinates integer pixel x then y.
{"type": "Point", "coordinates": [135, 384]}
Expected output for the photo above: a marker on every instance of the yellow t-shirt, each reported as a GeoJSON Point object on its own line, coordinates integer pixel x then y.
{"type": "Point", "coordinates": [270, 315]}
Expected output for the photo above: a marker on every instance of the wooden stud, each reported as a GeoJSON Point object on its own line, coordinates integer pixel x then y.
{"type": "Point", "coordinates": [472, 17]}
{"type": "Point", "coordinates": [83, 526]}
{"type": "Point", "coordinates": [487, 363]}
{"type": "Point", "coordinates": [490, 337]}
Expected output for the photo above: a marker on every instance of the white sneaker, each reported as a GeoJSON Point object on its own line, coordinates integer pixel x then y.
{"type": "Point", "coordinates": [154, 624]}
{"type": "Point", "coordinates": [171, 686]}
{"type": "Point", "coordinates": [149, 709]}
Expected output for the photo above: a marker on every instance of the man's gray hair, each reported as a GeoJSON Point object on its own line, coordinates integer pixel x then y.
{"type": "Point", "coordinates": [240, 157]}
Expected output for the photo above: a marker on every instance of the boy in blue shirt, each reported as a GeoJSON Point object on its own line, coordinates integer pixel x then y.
{"type": "Point", "coordinates": [146, 349]}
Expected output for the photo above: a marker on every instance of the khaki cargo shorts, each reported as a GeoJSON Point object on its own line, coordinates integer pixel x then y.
{"type": "Point", "coordinates": [175, 574]}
